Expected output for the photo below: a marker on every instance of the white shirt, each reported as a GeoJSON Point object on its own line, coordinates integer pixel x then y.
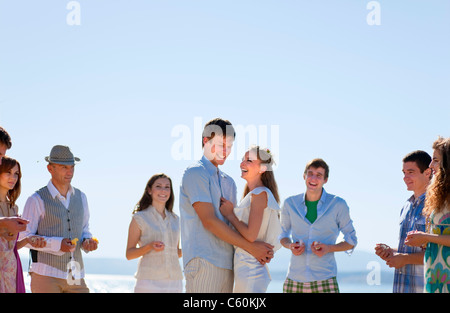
{"type": "Point", "coordinates": [34, 211]}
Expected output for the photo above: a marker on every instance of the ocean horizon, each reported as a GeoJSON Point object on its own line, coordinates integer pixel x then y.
{"type": "Point", "coordinates": [362, 272]}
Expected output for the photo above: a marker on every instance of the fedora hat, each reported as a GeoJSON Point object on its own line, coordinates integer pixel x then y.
{"type": "Point", "coordinates": [61, 155]}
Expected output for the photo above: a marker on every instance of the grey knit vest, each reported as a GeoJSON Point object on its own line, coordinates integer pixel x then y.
{"type": "Point", "coordinates": [61, 222]}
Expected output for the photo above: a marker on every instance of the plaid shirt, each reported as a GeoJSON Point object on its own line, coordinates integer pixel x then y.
{"type": "Point", "coordinates": [410, 279]}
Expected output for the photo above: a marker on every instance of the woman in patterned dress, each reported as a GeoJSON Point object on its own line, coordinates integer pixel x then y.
{"type": "Point", "coordinates": [437, 210]}
{"type": "Point", "coordinates": [11, 275]}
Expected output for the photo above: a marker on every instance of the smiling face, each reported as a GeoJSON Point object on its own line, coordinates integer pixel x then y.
{"type": "Point", "coordinates": [434, 165]}
{"type": "Point", "coordinates": [251, 166]}
{"type": "Point", "coordinates": [315, 179]}
{"type": "Point", "coordinates": [160, 191]}
{"type": "Point", "coordinates": [218, 149]}
{"type": "Point", "coordinates": [415, 181]}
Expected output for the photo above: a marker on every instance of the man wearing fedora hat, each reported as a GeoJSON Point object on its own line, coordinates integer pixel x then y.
{"type": "Point", "coordinates": [59, 213]}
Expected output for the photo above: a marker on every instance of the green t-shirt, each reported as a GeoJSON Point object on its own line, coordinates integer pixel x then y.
{"type": "Point", "coordinates": [311, 212]}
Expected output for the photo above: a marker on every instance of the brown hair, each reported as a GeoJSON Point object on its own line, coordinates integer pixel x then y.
{"type": "Point", "coordinates": [146, 199]}
{"type": "Point", "coordinates": [217, 126]}
{"type": "Point", "coordinates": [438, 192]}
{"type": "Point", "coordinates": [421, 158]}
{"type": "Point", "coordinates": [316, 163]}
{"type": "Point", "coordinates": [5, 138]}
{"type": "Point", "coordinates": [7, 164]}
{"type": "Point", "coordinates": [268, 177]}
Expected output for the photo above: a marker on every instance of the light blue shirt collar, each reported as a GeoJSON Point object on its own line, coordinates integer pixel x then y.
{"type": "Point", "coordinates": [322, 197]}
{"type": "Point", "coordinates": [211, 168]}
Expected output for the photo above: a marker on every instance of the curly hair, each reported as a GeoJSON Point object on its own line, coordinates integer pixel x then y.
{"type": "Point", "coordinates": [438, 192]}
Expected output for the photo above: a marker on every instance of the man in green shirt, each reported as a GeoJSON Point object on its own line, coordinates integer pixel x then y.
{"type": "Point", "coordinates": [311, 223]}
{"type": "Point", "coordinates": [311, 212]}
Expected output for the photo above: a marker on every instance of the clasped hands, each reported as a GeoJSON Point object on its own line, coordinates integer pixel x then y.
{"type": "Point", "coordinates": [318, 248]}
{"type": "Point", "coordinates": [88, 245]}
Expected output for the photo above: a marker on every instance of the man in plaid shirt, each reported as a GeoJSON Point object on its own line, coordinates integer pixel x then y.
{"type": "Point", "coordinates": [407, 260]}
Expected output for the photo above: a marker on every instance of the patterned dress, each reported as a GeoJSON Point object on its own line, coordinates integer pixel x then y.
{"type": "Point", "coordinates": [8, 261]}
{"type": "Point", "coordinates": [437, 257]}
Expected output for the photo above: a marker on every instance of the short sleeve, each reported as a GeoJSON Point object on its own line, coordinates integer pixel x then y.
{"type": "Point", "coordinates": [271, 201]}
{"type": "Point", "coordinates": [139, 220]}
{"type": "Point", "coordinates": [195, 185]}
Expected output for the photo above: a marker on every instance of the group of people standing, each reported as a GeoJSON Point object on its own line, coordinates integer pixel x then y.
{"type": "Point", "coordinates": [54, 226]}
{"type": "Point", "coordinates": [226, 244]}
{"type": "Point", "coordinates": [422, 259]}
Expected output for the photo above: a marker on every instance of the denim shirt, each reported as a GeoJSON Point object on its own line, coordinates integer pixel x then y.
{"type": "Point", "coordinates": [333, 217]}
{"type": "Point", "coordinates": [203, 182]}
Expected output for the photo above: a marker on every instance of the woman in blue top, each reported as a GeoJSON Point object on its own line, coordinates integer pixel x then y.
{"type": "Point", "coordinates": [256, 218]}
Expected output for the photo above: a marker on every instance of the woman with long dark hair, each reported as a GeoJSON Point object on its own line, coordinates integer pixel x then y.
{"type": "Point", "coordinates": [154, 236]}
{"type": "Point", "coordinates": [11, 275]}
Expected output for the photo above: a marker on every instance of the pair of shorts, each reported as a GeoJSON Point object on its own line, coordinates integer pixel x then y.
{"type": "Point", "coordinates": [321, 286]}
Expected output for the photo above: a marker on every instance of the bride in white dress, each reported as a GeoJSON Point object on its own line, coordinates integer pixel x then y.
{"type": "Point", "coordinates": [256, 218]}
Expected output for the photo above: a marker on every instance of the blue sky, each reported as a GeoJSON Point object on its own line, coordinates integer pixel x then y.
{"type": "Point", "coordinates": [115, 87]}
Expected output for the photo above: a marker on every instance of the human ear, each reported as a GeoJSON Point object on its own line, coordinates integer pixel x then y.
{"type": "Point", "coordinates": [428, 172]}
{"type": "Point", "coordinates": [205, 140]}
{"type": "Point", "coordinates": [262, 169]}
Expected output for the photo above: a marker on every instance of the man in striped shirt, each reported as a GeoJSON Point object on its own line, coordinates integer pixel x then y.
{"type": "Point", "coordinates": [59, 214]}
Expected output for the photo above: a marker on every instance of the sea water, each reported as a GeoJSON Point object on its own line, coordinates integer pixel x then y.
{"type": "Point", "coordinates": [104, 283]}
{"type": "Point", "coordinates": [361, 273]}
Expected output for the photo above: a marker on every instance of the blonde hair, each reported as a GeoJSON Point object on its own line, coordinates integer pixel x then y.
{"type": "Point", "coordinates": [268, 177]}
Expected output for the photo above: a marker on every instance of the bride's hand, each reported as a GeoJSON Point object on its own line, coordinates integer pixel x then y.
{"type": "Point", "coordinates": [226, 207]}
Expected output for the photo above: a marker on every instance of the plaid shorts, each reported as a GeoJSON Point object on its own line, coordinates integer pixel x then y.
{"type": "Point", "coordinates": [321, 286]}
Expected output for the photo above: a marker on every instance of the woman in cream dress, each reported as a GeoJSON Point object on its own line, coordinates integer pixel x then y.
{"type": "Point", "coordinates": [154, 236]}
{"type": "Point", "coordinates": [256, 218]}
